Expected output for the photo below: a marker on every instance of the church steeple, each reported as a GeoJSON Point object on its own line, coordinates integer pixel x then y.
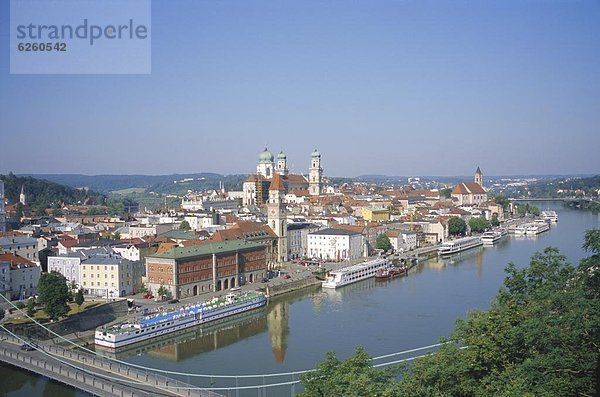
{"type": "Point", "coordinates": [479, 177]}
{"type": "Point", "coordinates": [277, 215]}
{"type": "Point", "coordinates": [22, 197]}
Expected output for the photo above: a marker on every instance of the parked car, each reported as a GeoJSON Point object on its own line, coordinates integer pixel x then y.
{"type": "Point", "coordinates": [174, 300]}
{"type": "Point", "coordinates": [264, 280]}
{"type": "Point", "coordinates": [286, 276]}
{"type": "Point", "coordinates": [27, 347]}
{"type": "Point", "coordinates": [148, 296]}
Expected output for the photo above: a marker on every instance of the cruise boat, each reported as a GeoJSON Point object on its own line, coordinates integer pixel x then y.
{"type": "Point", "coordinates": [159, 324]}
{"type": "Point", "coordinates": [550, 216]}
{"type": "Point", "coordinates": [354, 273]}
{"type": "Point", "coordinates": [521, 230]}
{"type": "Point", "coordinates": [537, 227]}
{"type": "Point", "coordinates": [492, 236]}
{"type": "Point", "coordinates": [461, 244]}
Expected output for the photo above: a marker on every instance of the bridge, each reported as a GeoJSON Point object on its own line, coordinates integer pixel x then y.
{"type": "Point", "coordinates": [94, 374]}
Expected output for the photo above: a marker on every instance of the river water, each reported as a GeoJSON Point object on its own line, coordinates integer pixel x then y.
{"type": "Point", "coordinates": [294, 331]}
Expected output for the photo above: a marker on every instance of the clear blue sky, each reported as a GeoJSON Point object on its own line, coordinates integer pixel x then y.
{"type": "Point", "coordinates": [379, 87]}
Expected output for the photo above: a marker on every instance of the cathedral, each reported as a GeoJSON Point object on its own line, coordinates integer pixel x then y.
{"type": "Point", "coordinates": [256, 187]}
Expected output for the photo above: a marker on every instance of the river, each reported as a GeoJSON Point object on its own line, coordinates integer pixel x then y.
{"type": "Point", "coordinates": [296, 330]}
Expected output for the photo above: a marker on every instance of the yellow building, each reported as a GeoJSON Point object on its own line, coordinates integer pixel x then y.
{"type": "Point", "coordinates": [110, 275]}
{"type": "Point", "coordinates": [376, 214]}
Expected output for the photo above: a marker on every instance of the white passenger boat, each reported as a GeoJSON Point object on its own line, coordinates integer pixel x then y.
{"type": "Point", "coordinates": [461, 244]}
{"type": "Point", "coordinates": [493, 236]}
{"type": "Point", "coordinates": [160, 324]}
{"type": "Point", "coordinates": [521, 230]}
{"type": "Point", "coordinates": [550, 216]}
{"type": "Point", "coordinates": [354, 273]}
{"type": "Point", "coordinates": [537, 227]}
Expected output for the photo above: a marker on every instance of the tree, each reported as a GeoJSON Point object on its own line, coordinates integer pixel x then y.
{"type": "Point", "coordinates": [502, 201]}
{"type": "Point", "coordinates": [539, 337]}
{"type": "Point", "coordinates": [184, 225]}
{"type": "Point", "coordinates": [19, 212]}
{"type": "Point", "coordinates": [447, 193]}
{"type": "Point", "coordinates": [478, 224]}
{"type": "Point", "coordinates": [352, 377]}
{"type": "Point", "coordinates": [523, 210]}
{"type": "Point", "coordinates": [457, 226]}
{"type": "Point", "coordinates": [53, 294]}
{"type": "Point", "coordinates": [2, 313]}
{"type": "Point", "coordinates": [79, 298]}
{"type": "Point", "coordinates": [162, 291]}
{"type": "Point", "coordinates": [383, 242]}
{"type": "Point", "coordinates": [495, 222]}
{"type": "Point", "coordinates": [31, 306]}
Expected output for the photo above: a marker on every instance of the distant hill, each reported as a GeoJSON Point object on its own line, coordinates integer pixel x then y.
{"type": "Point", "coordinates": [44, 193]}
{"type": "Point", "coordinates": [173, 183]}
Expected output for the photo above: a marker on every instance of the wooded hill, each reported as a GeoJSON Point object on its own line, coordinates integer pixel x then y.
{"type": "Point", "coordinates": [44, 194]}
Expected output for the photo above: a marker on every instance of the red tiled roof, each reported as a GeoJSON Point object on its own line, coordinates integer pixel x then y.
{"type": "Point", "coordinates": [468, 188]}
{"type": "Point", "coordinates": [277, 183]}
{"type": "Point", "coordinates": [296, 179]}
{"type": "Point", "coordinates": [15, 260]}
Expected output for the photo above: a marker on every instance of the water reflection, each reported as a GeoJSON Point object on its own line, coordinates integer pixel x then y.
{"type": "Point", "coordinates": [183, 344]}
{"type": "Point", "coordinates": [277, 323]}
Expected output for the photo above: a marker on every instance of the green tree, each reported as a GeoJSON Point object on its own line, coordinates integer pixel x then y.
{"type": "Point", "coordinates": [446, 193]}
{"type": "Point", "coordinates": [79, 298]}
{"type": "Point", "coordinates": [383, 242]}
{"type": "Point", "coordinates": [53, 294]}
{"type": "Point", "coordinates": [525, 209]}
{"type": "Point", "coordinates": [2, 313]}
{"type": "Point", "coordinates": [31, 306]}
{"type": "Point", "coordinates": [20, 305]}
{"type": "Point", "coordinates": [184, 225]}
{"type": "Point", "coordinates": [495, 222]}
{"type": "Point", "coordinates": [478, 224]}
{"type": "Point", "coordinates": [538, 338]}
{"type": "Point", "coordinates": [352, 377]}
{"type": "Point", "coordinates": [142, 288]}
{"type": "Point", "coordinates": [162, 291]}
{"type": "Point", "coordinates": [19, 212]}
{"type": "Point", "coordinates": [502, 201]}
{"type": "Point", "coordinates": [457, 226]}
{"type": "Point", "coordinates": [40, 210]}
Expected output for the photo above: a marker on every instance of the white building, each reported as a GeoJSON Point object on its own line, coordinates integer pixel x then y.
{"type": "Point", "coordinates": [200, 222]}
{"type": "Point", "coordinates": [335, 244]}
{"type": "Point", "coordinates": [128, 251]}
{"type": "Point", "coordinates": [69, 265]}
{"type": "Point", "coordinates": [140, 231]}
{"type": "Point", "coordinates": [24, 275]}
{"type": "Point", "coordinates": [409, 240]}
{"type": "Point", "coordinates": [298, 238]}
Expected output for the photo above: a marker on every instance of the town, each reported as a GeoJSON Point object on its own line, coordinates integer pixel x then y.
{"type": "Point", "coordinates": [218, 240]}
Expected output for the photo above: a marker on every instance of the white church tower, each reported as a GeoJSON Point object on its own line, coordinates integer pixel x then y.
{"type": "Point", "coordinates": [315, 174]}
{"type": "Point", "coordinates": [22, 197]}
{"type": "Point", "coordinates": [277, 216]}
{"type": "Point", "coordinates": [281, 168]}
{"type": "Point", "coordinates": [265, 166]}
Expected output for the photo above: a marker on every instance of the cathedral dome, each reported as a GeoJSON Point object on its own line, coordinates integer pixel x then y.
{"type": "Point", "coordinates": [265, 156]}
{"type": "Point", "coordinates": [316, 154]}
{"type": "Point", "coordinates": [281, 156]}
